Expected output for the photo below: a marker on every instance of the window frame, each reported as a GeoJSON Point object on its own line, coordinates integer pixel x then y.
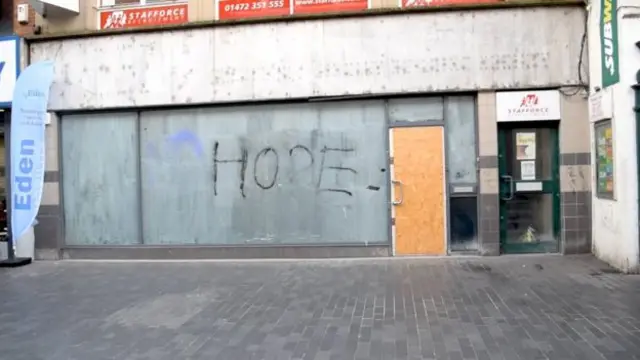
{"type": "Point", "coordinates": [598, 128]}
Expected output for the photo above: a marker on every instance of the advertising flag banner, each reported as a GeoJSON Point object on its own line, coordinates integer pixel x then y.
{"type": "Point", "coordinates": [28, 113]}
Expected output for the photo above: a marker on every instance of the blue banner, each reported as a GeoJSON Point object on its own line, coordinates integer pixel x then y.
{"type": "Point", "coordinates": [28, 113]}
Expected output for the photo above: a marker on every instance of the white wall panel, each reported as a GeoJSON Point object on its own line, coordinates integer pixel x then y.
{"type": "Point", "coordinates": [615, 222]}
{"type": "Point", "coordinates": [426, 52]}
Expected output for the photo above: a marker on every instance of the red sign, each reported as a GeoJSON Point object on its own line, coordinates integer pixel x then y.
{"type": "Point", "coordinates": [328, 6]}
{"type": "Point", "coordinates": [529, 100]}
{"type": "Point", "coordinates": [144, 16]}
{"type": "Point", "coordinates": [243, 9]}
{"type": "Point", "coordinates": [429, 3]}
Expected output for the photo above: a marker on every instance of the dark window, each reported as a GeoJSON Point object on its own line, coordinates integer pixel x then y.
{"type": "Point", "coordinates": [463, 222]}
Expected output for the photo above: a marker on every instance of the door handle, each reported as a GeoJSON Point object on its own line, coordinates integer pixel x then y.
{"type": "Point", "coordinates": [509, 178]}
{"type": "Point", "coordinates": [401, 192]}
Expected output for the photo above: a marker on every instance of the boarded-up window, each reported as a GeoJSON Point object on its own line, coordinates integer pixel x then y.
{"type": "Point", "coordinates": [272, 174]}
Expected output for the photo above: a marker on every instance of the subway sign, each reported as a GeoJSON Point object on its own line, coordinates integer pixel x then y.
{"type": "Point", "coordinates": [609, 42]}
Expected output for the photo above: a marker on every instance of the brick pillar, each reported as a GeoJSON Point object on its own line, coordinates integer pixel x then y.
{"type": "Point", "coordinates": [575, 175]}
{"type": "Point", "coordinates": [23, 29]}
{"type": "Point", "coordinates": [488, 201]}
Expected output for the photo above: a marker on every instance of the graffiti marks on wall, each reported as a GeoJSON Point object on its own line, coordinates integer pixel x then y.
{"type": "Point", "coordinates": [171, 148]}
{"type": "Point", "coordinates": [172, 145]}
{"type": "Point", "coordinates": [607, 217]}
{"type": "Point", "coordinates": [266, 167]}
{"type": "Point", "coordinates": [331, 165]}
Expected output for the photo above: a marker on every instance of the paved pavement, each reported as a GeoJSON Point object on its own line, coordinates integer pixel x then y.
{"type": "Point", "coordinates": [527, 307]}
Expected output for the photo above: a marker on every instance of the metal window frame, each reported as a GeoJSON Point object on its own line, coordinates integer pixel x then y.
{"type": "Point", "coordinates": [448, 191]}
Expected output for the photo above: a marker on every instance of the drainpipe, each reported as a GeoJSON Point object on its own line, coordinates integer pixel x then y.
{"type": "Point", "coordinates": [636, 109]}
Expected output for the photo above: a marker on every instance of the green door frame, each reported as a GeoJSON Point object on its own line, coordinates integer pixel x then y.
{"type": "Point", "coordinates": [549, 186]}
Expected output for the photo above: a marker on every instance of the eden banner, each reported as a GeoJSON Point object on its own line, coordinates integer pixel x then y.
{"type": "Point", "coordinates": [28, 112]}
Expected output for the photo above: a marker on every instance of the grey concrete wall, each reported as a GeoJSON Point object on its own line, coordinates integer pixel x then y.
{"type": "Point", "coordinates": [48, 232]}
{"type": "Point", "coordinates": [450, 51]}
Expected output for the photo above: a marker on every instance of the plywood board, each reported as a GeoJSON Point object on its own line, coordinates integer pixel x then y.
{"type": "Point", "coordinates": [418, 163]}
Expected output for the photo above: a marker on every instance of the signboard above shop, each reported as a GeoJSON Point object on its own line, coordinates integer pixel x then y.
{"type": "Point", "coordinates": [244, 9]}
{"type": "Point", "coordinates": [144, 16]}
{"type": "Point", "coordinates": [528, 105]}
{"type": "Point", "coordinates": [9, 68]}
{"type": "Point", "coordinates": [56, 9]}
{"type": "Point", "coordinates": [433, 3]}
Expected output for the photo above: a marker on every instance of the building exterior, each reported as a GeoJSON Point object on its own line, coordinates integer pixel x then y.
{"type": "Point", "coordinates": [371, 133]}
{"type": "Point", "coordinates": [614, 30]}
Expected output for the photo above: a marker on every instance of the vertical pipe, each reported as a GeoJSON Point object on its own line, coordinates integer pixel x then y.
{"type": "Point", "coordinates": [11, 254]}
{"type": "Point", "coordinates": [636, 109]}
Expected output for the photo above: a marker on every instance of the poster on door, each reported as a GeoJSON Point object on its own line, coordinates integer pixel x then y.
{"type": "Point", "coordinates": [526, 146]}
{"type": "Point", "coordinates": [528, 170]}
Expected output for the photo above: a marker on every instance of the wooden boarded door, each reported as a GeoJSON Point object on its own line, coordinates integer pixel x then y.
{"type": "Point", "coordinates": [418, 196]}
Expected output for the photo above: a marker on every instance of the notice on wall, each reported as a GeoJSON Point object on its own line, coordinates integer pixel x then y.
{"type": "Point", "coordinates": [528, 170]}
{"type": "Point", "coordinates": [247, 9]}
{"type": "Point", "coordinates": [525, 146]}
{"type": "Point", "coordinates": [328, 6]}
{"type": "Point", "coordinates": [430, 3]}
{"type": "Point", "coordinates": [604, 159]}
{"type": "Point", "coordinates": [144, 16]}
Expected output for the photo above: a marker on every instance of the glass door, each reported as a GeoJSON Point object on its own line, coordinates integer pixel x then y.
{"type": "Point", "coordinates": [529, 187]}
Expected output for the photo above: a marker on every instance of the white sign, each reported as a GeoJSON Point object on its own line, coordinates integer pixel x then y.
{"type": "Point", "coordinates": [528, 170]}
{"type": "Point", "coordinates": [600, 105]}
{"type": "Point", "coordinates": [9, 68]}
{"type": "Point", "coordinates": [529, 186]}
{"type": "Point", "coordinates": [528, 105]}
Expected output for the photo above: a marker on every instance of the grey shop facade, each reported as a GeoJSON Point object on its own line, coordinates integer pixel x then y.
{"type": "Point", "coordinates": [141, 170]}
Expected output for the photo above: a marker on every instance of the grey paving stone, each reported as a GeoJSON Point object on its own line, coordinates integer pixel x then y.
{"type": "Point", "coordinates": [527, 307]}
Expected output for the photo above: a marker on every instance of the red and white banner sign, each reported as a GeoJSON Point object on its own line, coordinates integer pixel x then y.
{"type": "Point", "coordinates": [528, 105]}
{"type": "Point", "coordinates": [246, 9]}
{"type": "Point", "coordinates": [429, 3]}
{"type": "Point", "coordinates": [144, 16]}
{"type": "Point", "coordinates": [328, 6]}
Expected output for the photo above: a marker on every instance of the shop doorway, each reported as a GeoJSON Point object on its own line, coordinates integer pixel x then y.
{"type": "Point", "coordinates": [528, 156]}
{"type": "Point", "coordinates": [417, 192]}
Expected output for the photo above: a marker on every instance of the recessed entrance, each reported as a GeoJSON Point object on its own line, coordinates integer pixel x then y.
{"type": "Point", "coordinates": [528, 155]}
